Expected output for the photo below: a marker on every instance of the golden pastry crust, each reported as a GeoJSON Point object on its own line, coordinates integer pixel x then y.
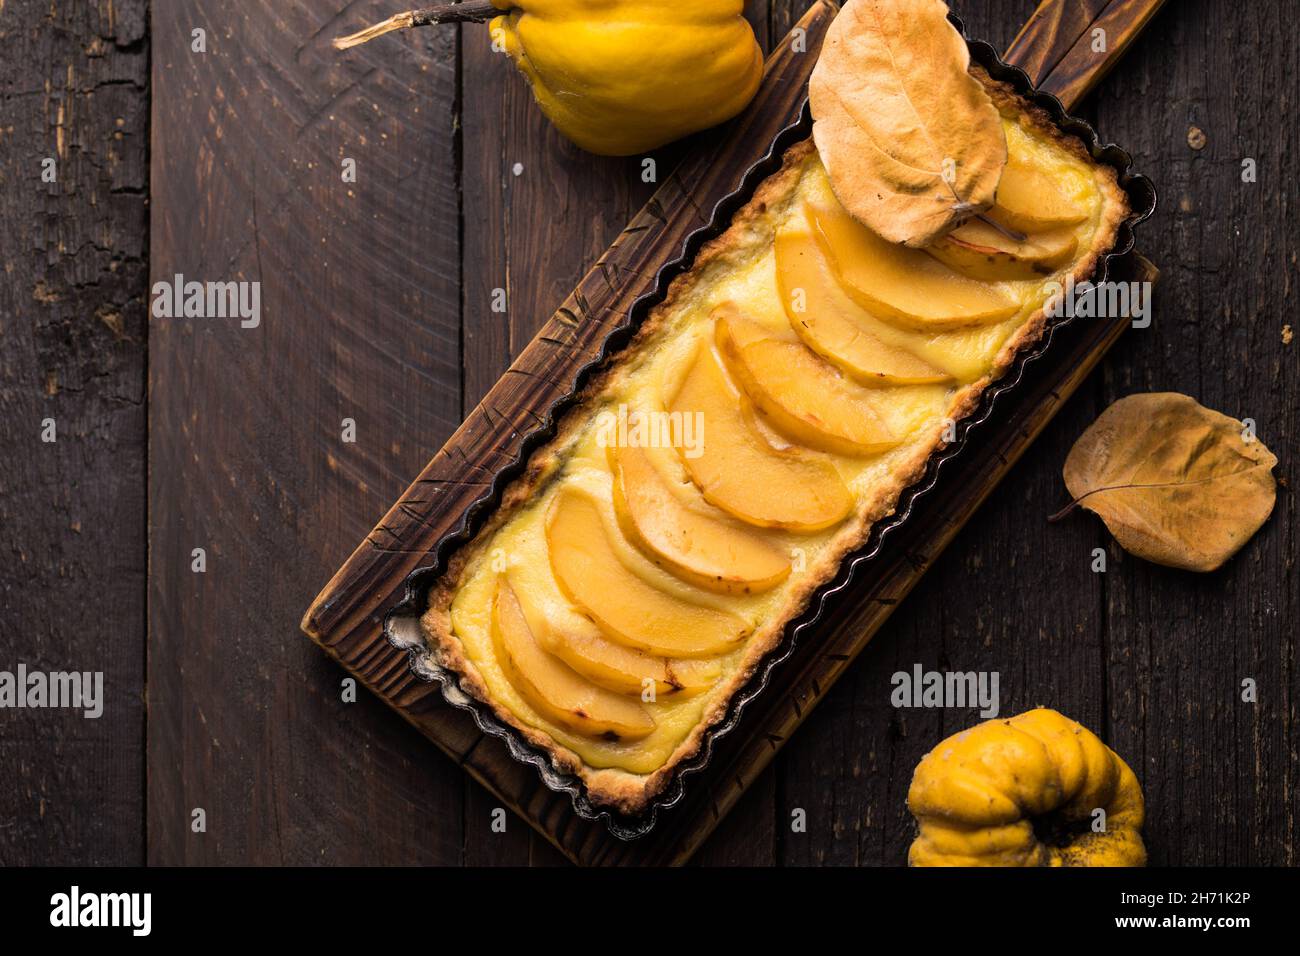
{"type": "Point", "coordinates": [631, 793]}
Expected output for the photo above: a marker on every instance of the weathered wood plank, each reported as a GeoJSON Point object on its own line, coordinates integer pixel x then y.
{"type": "Point", "coordinates": [73, 90]}
{"type": "Point", "coordinates": [1068, 46]}
{"type": "Point", "coordinates": [1221, 775]}
{"type": "Point", "coordinates": [343, 618]}
{"type": "Point", "coordinates": [1049, 34]}
{"type": "Point", "coordinates": [361, 321]}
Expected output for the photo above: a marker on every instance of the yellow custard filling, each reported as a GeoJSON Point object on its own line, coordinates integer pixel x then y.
{"type": "Point", "coordinates": [610, 610]}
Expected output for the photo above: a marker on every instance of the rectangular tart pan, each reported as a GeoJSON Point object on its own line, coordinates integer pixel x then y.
{"type": "Point", "coordinates": [402, 626]}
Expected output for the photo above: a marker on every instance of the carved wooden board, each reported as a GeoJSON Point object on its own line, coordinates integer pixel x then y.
{"type": "Point", "coordinates": [346, 619]}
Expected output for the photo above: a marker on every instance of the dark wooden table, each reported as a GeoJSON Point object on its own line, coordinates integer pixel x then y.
{"type": "Point", "coordinates": [183, 434]}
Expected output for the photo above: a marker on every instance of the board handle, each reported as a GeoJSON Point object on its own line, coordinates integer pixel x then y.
{"type": "Point", "coordinates": [1067, 46]}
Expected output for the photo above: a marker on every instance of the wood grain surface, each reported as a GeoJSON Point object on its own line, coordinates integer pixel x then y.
{"type": "Point", "coordinates": [361, 321]}
{"type": "Point", "coordinates": [373, 310]}
{"type": "Point", "coordinates": [74, 254]}
{"type": "Point", "coordinates": [1069, 46]}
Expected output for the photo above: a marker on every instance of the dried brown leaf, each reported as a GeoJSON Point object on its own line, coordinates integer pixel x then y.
{"type": "Point", "coordinates": [1175, 482]}
{"type": "Point", "coordinates": [912, 142]}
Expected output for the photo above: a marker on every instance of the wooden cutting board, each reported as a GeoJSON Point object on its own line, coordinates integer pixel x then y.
{"type": "Point", "coordinates": [1059, 49]}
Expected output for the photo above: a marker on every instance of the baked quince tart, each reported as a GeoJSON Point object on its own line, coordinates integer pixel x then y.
{"type": "Point", "coordinates": [719, 468]}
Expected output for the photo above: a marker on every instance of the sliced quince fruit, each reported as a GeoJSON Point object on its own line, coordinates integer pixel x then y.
{"type": "Point", "coordinates": [978, 250]}
{"type": "Point", "coordinates": [577, 641]}
{"type": "Point", "coordinates": [963, 354]}
{"type": "Point", "coordinates": [625, 607]}
{"type": "Point", "coordinates": [711, 552]}
{"type": "Point", "coordinates": [903, 286]}
{"type": "Point", "coordinates": [554, 689]}
{"type": "Point", "coordinates": [625, 670]}
{"type": "Point", "coordinates": [1030, 200]}
{"type": "Point", "coordinates": [741, 472]}
{"type": "Point", "coordinates": [803, 397]}
{"type": "Point", "coordinates": [836, 327]}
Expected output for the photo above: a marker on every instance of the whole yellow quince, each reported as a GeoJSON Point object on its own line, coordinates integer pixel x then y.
{"type": "Point", "coordinates": [617, 77]}
{"type": "Point", "coordinates": [620, 77]}
{"type": "Point", "coordinates": [1034, 790]}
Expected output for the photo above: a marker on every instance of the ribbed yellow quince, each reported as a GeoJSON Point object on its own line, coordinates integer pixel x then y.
{"type": "Point", "coordinates": [1038, 789]}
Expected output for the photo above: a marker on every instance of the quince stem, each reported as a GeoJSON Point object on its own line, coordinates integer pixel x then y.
{"type": "Point", "coordinates": [472, 11]}
{"type": "Point", "coordinates": [1005, 230]}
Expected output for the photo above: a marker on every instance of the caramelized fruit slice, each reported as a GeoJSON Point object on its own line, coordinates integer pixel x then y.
{"type": "Point", "coordinates": [624, 607]}
{"type": "Point", "coordinates": [1029, 200]}
{"type": "Point", "coordinates": [978, 250]}
{"type": "Point", "coordinates": [579, 643]}
{"type": "Point", "coordinates": [802, 396]}
{"type": "Point", "coordinates": [706, 551]}
{"type": "Point", "coordinates": [836, 327]}
{"type": "Point", "coordinates": [625, 670]}
{"type": "Point", "coordinates": [741, 472]}
{"type": "Point", "coordinates": [963, 354]}
{"type": "Point", "coordinates": [555, 690]}
{"type": "Point", "coordinates": [903, 286]}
